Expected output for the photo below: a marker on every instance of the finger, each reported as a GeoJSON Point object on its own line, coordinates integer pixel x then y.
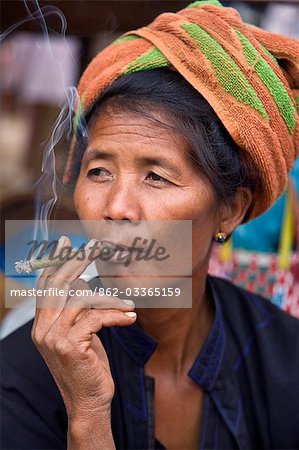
{"type": "Point", "coordinates": [94, 320]}
{"type": "Point", "coordinates": [82, 334]}
{"type": "Point", "coordinates": [73, 268]}
{"type": "Point", "coordinates": [85, 298]}
{"type": "Point", "coordinates": [48, 271]}
{"type": "Point", "coordinates": [49, 315]}
{"type": "Point", "coordinates": [50, 305]}
{"type": "Point", "coordinates": [45, 318]}
{"type": "Point", "coordinates": [60, 280]}
{"type": "Point", "coordinates": [76, 307]}
{"type": "Point", "coordinates": [63, 240]}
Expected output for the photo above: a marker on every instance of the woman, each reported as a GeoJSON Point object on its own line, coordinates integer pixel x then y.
{"type": "Point", "coordinates": [189, 118]}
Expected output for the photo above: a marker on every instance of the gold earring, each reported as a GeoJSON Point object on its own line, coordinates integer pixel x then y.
{"type": "Point", "coordinates": [220, 238]}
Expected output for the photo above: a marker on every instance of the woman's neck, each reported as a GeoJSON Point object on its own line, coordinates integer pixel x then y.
{"type": "Point", "coordinates": [180, 332]}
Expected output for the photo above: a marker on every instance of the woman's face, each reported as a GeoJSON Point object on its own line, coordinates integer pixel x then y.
{"type": "Point", "coordinates": [135, 169]}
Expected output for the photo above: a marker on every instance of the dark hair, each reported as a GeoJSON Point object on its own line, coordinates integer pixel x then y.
{"type": "Point", "coordinates": [212, 149]}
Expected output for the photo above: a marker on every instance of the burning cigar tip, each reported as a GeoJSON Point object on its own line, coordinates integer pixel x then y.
{"type": "Point", "coordinates": [23, 266]}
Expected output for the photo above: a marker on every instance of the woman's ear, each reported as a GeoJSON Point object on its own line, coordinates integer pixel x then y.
{"type": "Point", "coordinates": [234, 212]}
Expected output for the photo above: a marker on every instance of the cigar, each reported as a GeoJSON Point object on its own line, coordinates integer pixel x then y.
{"type": "Point", "coordinates": [28, 266]}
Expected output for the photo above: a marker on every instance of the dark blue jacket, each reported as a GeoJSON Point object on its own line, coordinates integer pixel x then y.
{"type": "Point", "coordinates": [248, 368]}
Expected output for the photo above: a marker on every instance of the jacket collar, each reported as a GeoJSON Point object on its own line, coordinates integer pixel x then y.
{"type": "Point", "coordinates": [204, 371]}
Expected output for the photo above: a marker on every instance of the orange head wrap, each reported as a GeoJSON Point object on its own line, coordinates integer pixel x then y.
{"type": "Point", "coordinates": [249, 76]}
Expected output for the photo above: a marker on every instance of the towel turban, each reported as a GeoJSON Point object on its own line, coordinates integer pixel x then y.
{"type": "Point", "coordinates": [249, 76]}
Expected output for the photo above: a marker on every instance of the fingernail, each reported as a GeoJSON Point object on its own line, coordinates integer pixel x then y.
{"type": "Point", "coordinates": [131, 314]}
{"type": "Point", "coordinates": [129, 302]}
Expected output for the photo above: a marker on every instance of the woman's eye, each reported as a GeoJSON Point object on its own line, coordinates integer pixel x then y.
{"type": "Point", "coordinates": [99, 173]}
{"type": "Point", "coordinates": [156, 178]}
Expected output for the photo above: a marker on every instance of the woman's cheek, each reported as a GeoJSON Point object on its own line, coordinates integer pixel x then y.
{"type": "Point", "coordinates": [83, 201]}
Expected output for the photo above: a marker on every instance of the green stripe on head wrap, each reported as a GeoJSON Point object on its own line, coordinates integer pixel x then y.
{"type": "Point", "coordinates": [77, 116]}
{"type": "Point", "coordinates": [270, 79]}
{"type": "Point", "coordinates": [228, 73]}
{"type": "Point", "coordinates": [130, 37]}
{"type": "Point", "coordinates": [204, 2]}
{"type": "Point", "coordinates": [151, 60]}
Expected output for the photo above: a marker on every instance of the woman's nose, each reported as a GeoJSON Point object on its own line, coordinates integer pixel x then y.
{"type": "Point", "coordinates": [122, 202]}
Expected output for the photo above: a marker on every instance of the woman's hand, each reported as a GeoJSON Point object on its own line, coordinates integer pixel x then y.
{"type": "Point", "coordinates": [64, 332]}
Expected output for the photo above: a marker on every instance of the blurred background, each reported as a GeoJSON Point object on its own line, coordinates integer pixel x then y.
{"type": "Point", "coordinates": [45, 46]}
